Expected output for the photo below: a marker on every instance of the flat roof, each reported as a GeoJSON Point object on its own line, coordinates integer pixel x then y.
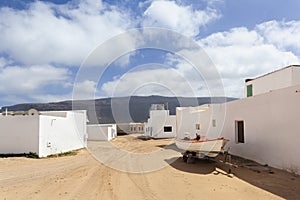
{"type": "Point", "coordinates": [251, 79]}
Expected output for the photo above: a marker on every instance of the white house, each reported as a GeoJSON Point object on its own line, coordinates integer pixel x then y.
{"type": "Point", "coordinates": [282, 78]}
{"type": "Point", "coordinates": [43, 133]}
{"type": "Point", "coordinates": [101, 132]}
{"type": "Point", "coordinates": [130, 128]}
{"type": "Point", "coordinates": [136, 127]}
{"type": "Point", "coordinates": [189, 121]}
{"type": "Point", "coordinates": [263, 127]}
{"type": "Point", "coordinates": [160, 124]}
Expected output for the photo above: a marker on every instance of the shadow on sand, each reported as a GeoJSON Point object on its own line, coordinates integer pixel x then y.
{"type": "Point", "coordinates": [200, 166]}
{"type": "Point", "coordinates": [275, 181]}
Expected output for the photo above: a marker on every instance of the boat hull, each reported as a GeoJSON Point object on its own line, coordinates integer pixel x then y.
{"type": "Point", "coordinates": [209, 148]}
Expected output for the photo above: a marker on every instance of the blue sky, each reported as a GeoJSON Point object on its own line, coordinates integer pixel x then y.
{"type": "Point", "coordinates": [43, 44]}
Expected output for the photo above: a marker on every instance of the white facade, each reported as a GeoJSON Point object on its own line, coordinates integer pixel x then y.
{"type": "Point", "coordinates": [44, 134]}
{"type": "Point", "coordinates": [286, 77]}
{"type": "Point", "coordinates": [270, 124]}
{"type": "Point", "coordinates": [189, 121]}
{"type": "Point", "coordinates": [101, 132]}
{"type": "Point", "coordinates": [136, 127]}
{"type": "Point", "coordinates": [19, 134]}
{"type": "Point", "coordinates": [160, 124]}
{"type": "Point", "coordinates": [130, 128]}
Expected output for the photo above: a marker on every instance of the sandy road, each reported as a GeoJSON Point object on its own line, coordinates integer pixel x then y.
{"type": "Point", "coordinates": [83, 177]}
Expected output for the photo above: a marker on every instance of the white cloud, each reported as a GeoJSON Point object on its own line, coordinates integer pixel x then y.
{"type": "Point", "coordinates": [281, 33]}
{"type": "Point", "coordinates": [237, 54]}
{"type": "Point", "coordinates": [84, 90]}
{"type": "Point", "coordinates": [29, 80]}
{"type": "Point", "coordinates": [35, 83]}
{"type": "Point", "coordinates": [240, 53]}
{"type": "Point", "coordinates": [184, 19]}
{"type": "Point", "coordinates": [236, 36]}
{"type": "Point", "coordinates": [4, 62]}
{"type": "Point", "coordinates": [48, 33]}
{"type": "Point", "coordinates": [155, 79]}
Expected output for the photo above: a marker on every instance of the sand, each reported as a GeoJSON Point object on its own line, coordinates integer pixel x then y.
{"type": "Point", "coordinates": [84, 177]}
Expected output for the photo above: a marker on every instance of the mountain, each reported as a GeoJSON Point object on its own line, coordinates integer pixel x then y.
{"type": "Point", "coordinates": [119, 109]}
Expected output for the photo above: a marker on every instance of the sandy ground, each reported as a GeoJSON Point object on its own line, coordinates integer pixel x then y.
{"type": "Point", "coordinates": [84, 177]}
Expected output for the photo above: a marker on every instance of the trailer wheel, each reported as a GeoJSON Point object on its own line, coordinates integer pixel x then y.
{"type": "Point", "coordinates": [190, 159]}
{"type": "Point", "coordinates": [184, 157]}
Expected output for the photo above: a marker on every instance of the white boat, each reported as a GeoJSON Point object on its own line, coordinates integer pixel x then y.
{"type": "Point", "coordinates": [203, 147]}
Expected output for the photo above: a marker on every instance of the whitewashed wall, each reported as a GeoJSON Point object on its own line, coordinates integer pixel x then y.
{"type": "Point", "coordinates": [60, 134]}
{"type": "Point", "coordinates": [296, 75]}
{"type": "Point", "coordinates": [147, 129]}
{"type": "Point", "coordinates": [271, 128]}
{"type": "Point", "coordinates": [156, 123]}
{"type": "Point", "coordinates": [212, 121]}
{"type": "Point", "coordinates": [186, 120]}
{"type": "Point", "coordinates": [19, 134]}
{"type": "Point", "coordinates": [101, 132]}
{"type": "Point", "coordinates": [279, 79]}
{"type": "Point", "coordinates": [136, 128]}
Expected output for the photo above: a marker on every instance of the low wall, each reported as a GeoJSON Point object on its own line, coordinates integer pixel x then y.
{"type": "Point", "coordinates": [19, 134]}
{"type": "Point", "coordinates": [101, 132]}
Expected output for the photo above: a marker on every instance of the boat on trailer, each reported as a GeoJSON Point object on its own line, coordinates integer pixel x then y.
{"type": "Point", "coordinates": [201, 148]}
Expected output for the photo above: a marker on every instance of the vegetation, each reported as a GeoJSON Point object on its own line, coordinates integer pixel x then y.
{"type": "Point", "coordinates": [69, 153]}
{"type": "Point", "coordinates": [34, 155]}
{"type": "Point", "coordinates": [27, 155]}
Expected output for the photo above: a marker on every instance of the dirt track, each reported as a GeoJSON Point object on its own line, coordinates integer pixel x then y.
{"type": "Point", "coordinates": [83, 177]}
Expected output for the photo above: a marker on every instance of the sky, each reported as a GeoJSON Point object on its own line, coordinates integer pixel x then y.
{"type": "Point", "coordinates": [46, 46]}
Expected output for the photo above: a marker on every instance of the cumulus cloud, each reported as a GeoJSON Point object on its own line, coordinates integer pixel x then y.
{"type": "Point", "coordinates": [236, 36]}
{"type": "Point", "coordinates": [184, 19]}
{"type": "Point", "coordinates": [155, 79]}
{"type": "Point", "coordinates": [281, 33]}
{"type": "Point", "coordinates": [237, 54]}
{"type": "Point", "coordinates": [48, 33]}
{"type": "Point", "coordinates": [241, 53]}
{"type": "Point", "coordinates": [45, 35]}
{"type": "Point", "coordinates": [23, 80]}
{"type": "Point", "coordinates": [84, 90]}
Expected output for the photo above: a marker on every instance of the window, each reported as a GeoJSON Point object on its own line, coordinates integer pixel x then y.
{"type": "Point", "coordinates": [168, 129]}
{"type": "Point", "coordinates": [214, 123]}
{"type": "Point", "coordinates": [249, 90]}
{"type": "Point", "coordinates": [197, 126]}
{"type": "Point", "coordinates": [239, 132]}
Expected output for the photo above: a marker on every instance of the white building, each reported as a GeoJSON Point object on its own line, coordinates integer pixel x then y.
{"type": "Point", "coordinates": [264, 127]}
{"type": "Point", "coordinates": [136, 127]}
{"type": "Point", "coordinates": [43, 133]}
{"type": "Point", "coordinates": [160, 124]}
{"type": "Point", "coordinates": [130, 128]}
{"type": "Point", "coordinates": [282, 78]}
{"type": "Point", "coordinates": [101, 132]}
{"type": "Point", "coordinates": [189, 121]}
